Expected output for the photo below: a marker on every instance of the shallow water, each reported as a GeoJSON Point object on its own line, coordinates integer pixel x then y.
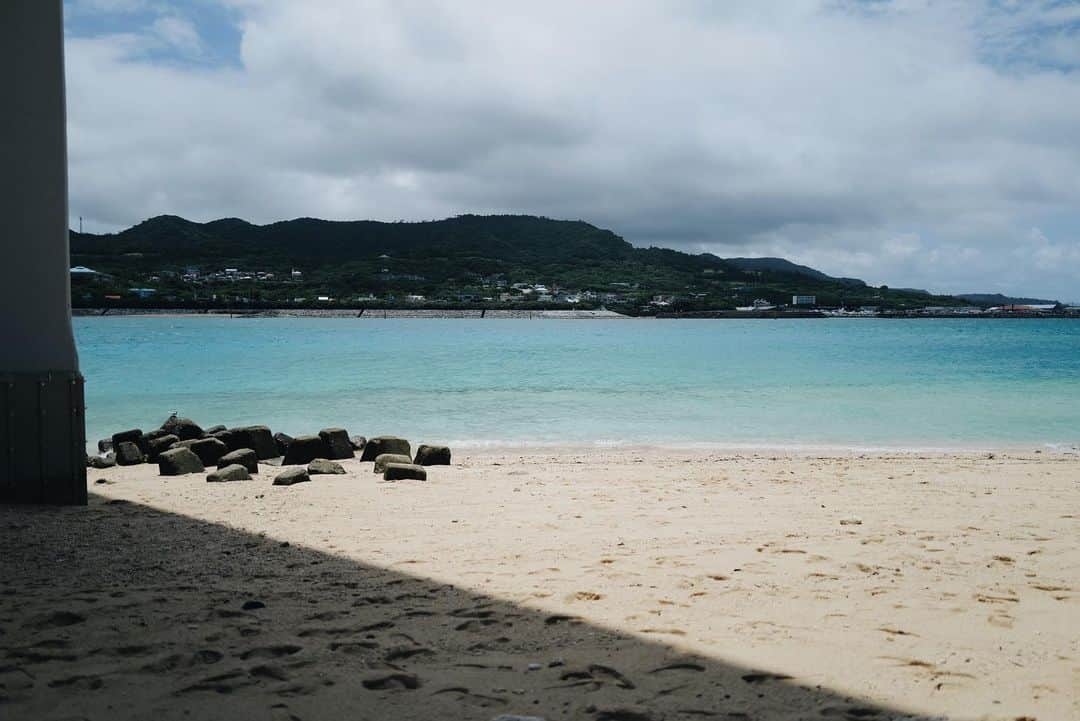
{"type": "Point", "coordinates": [960, 383]}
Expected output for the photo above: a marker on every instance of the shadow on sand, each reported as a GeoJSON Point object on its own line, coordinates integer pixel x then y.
{"type": "Point", "coordinates": [118, 611]}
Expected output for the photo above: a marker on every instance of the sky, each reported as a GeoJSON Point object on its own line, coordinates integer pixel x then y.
{"type": "Point", "coordinates": [917, 143]}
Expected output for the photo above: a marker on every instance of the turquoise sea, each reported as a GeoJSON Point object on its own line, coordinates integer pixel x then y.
{"type": "Point", "coordinates": [869, 383]}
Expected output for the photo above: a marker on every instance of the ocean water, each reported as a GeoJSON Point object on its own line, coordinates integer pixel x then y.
{"type": "Point", "coordinates": [961, 383]}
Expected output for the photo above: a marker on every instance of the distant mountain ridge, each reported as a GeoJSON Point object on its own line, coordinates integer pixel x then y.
{"type": "Point", "coordinates": [454, 258]}
{"type": "Point", "coordinates": [782, 265]}
{"type": "Point", "coordinates": [991, 299]}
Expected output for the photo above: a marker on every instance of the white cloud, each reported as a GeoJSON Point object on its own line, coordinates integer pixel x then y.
{"type": "Point", "coordinates": [178, 33]}
{"type": "Point", "coordinates": [908, 142]}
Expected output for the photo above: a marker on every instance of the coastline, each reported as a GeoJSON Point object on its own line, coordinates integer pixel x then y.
{"type": "Point", "coordinates": [360, 313]}
{"type": "Point", "coordinates": [558, 584]}
{"type": "Point", "coordinates": [712, 449]}
{"type": "Point", "coordinates": [509, 314]}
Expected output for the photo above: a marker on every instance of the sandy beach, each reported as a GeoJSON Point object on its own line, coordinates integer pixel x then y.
{"type": "Point", "coordinates": [605, 584]}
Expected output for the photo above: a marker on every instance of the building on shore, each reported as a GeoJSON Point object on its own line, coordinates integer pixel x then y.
{"type": "Point", "coordinates": [757, 305]}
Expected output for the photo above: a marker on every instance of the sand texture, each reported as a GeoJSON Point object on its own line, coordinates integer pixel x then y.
{"type": "Point", "coordinates": [619, 585]}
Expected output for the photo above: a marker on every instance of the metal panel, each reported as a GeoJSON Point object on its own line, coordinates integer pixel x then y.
{"type": "Point", "coordinates": [43, 451]}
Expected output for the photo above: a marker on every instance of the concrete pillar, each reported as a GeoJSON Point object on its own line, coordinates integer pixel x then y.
{"type": "Point", "coordinates": [42, 424]}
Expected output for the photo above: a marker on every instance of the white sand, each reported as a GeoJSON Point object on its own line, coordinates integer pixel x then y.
{"type": "Point", "coordinates": [882, 585]}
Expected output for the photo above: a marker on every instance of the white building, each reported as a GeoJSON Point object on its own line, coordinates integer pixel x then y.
{"type": "Point", "coordinates": [804, 300]}
{"type": "Point", "coordinates": [757, 305]}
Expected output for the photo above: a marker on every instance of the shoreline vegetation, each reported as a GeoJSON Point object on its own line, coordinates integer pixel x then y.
{"type": "Point", "coordinates": [516, 264]}
{"type": "Point", "coordinates": [503, 314]}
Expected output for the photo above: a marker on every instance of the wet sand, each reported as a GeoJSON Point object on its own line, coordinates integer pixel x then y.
{"type": "Point", "coordinates": [617, 584]}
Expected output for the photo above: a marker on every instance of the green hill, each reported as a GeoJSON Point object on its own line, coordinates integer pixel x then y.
{"type": "Point", "coordinates": [991, 299]}
{"type": "Point", "coordinates": [463, 260]}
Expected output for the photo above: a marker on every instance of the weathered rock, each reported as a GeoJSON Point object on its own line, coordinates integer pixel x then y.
{"type": "Point", "coordinates": [404, 471]}
{"type": "Point", "coordinates": [106, 461]}
{"type": "Point", "coordinates": [183, 428]}
{"type": "Point", "coordinates": [214, 429]}
{"type": "Point", "coordinates": [322, 466]}
{"type": "Point", "coordinates": [387, 458]}
{"type": "Point", "coordinates": [233, 472]}
{"type": "Point", "coordinates": [151, 435]}
{"type": "Point", "coordinates": [337, 443]}
{"type": "Point", "coordinates": [305, 449]}
{"type": "Point", "coordinates": [432, 456]}
{"type": "Point", "coordinates": [291, 477]}
{"type": "Point", "coordinates": [261, 440]}
{"type": "Point", "coordinates": [178, 461]}
{"type": "Point", "coordinates": [233, 438]}
{"type": "Point", "coordinates": [209, 450]}
{"type": "Point", "coordinates": [282, 440]}
{"type": "Point", "coordinates": [132, 436]}
{"type": "Point", "coordinates": [358, 442]}
{"type": "Point", "coordinates": [128, 454]}
{"type": "Point", "coordinates": [104, 445]}
{"type": "Point", "coordinates": [156, 446]}
{"type": "Point", "coordinates": [375, 447]}
{"type": "Point", "coordinates": [257, 438]}
{"type": "Point", "coordinates": [244, 457]}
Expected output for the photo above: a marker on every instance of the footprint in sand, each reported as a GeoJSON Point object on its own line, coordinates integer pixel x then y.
{"type": "Point", "coordinates": [57, 619]}
{"type": "Point", "coordinates": [269, 672]}
{"type": "Point", "coordinates": [204, 657]}
{"type": "Point", "coordinates": [475, 624]}
{"type": "Point", "coordinates": [87, 683]}
{"type": "Point", "coordinates": [391, 681]}
{"type": "Point", "coordinates": [561, 618]}
{"type": "Point", "coordinates": [474, 612]}
{"type": "Point", "coordinates": [584, 596]}
{"type": "Point", "coordinates": [680, 666]}
{"type": "Point", "coordinates": [465, 696]}
{"type": "Point", "coordinates": [595, 674]}
{"type": "Point", "coordinates": [280, 712]}
{"type": "Point", "coordinates": [353, 648]}
{"type": "Point", "coordinates": [624, 713]}
{"type": "Point", "coordinates": [15, 679]}
{"type": "Point", "coordinates": [606, 672]}
{"type": "Point", "coordinates": [764, 677]}
{"type": "Point", "coordinates": [401, 653]}
{"type": "Point", "coordinates": [848, 713]}
{"type": "Point", "coordinates": [665, 631]}
{"type": "Point", "coordinates": [327, 616]}
{"type": "Point", "coordinates": [271, 651]}
{"type": "Point", "coordinates": [222, 683]}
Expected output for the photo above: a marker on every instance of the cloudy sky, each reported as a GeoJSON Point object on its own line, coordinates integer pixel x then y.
{"type": "Point", "coordinates": [919, 143]}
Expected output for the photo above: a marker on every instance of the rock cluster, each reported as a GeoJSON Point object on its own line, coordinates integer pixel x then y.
{"type": "Point", "coordinates": [181, 446]}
